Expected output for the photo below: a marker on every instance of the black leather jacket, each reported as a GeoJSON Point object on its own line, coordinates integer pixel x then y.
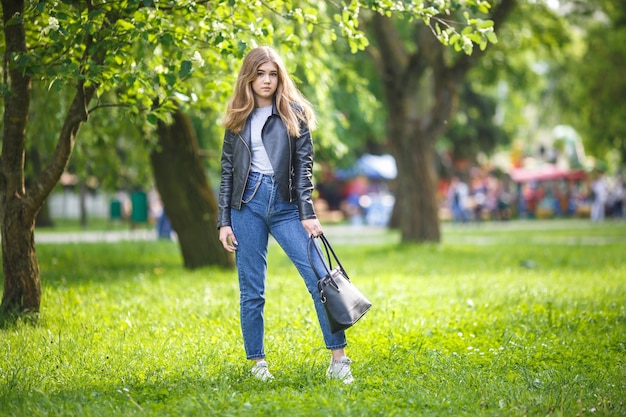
{"type": "Point", "coordinates": [291, 159]}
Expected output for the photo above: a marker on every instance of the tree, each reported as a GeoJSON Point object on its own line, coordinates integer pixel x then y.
{"type": "Point", "coordinates": [421, 82]}
{"type": "Point", "coordinates": [20, 205]}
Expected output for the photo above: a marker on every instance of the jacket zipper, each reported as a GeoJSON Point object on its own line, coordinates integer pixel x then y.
{"type": "Point", "coordinates": [243, 190]}
{"type": "Point", "coordinates": [290, 168]}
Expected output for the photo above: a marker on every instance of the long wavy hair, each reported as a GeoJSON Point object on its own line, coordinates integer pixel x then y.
{"type": "Point", "coordinates": [291, 105]}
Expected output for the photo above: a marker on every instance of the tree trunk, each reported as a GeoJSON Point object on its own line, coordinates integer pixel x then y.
{"type": "Point", "coordinates": [416, 206]}
{"type": "Point", "coordinates": [22, 284]}
{"type": "Point", "coordinates": [22, 287]}
{"type": "Point", "coordinates": [188, 199]}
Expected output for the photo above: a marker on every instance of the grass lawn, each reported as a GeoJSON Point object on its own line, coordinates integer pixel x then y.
{"type": "Point", "coordinates": [526, 318]}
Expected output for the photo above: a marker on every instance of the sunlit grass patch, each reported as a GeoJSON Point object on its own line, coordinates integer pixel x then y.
{"type": "Point", "coordinates": [500, 328]}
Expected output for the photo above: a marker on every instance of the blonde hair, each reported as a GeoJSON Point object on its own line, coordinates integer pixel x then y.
{"type": "Point", "coordinates": [291, 105]}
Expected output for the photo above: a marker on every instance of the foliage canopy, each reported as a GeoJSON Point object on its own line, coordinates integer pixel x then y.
{"type": "Point", "coordinates": [147, 57]}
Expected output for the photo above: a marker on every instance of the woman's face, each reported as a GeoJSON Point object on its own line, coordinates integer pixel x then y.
{"type": "Point", "coordinates": [265, 84]}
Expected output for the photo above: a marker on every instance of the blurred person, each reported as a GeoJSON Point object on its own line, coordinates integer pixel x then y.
{"type": "Point", "coordinates": [480, 201]}
{"type": "Point", "coordinates": [266, 188]}
{"type": "Point", "coordinates": [354, 190]}
{"type": "Point", "coordinates": [599, 194]}
{"type": "Point", "coordinates": [457, 195]}
{"type": "Point", "coordinates": [504, 200]}
{"type": "Point", "coordinates": [617, 194]}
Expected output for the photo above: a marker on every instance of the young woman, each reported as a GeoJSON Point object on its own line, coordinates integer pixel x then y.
{"type": "Point", "coordinates": [266, 187]}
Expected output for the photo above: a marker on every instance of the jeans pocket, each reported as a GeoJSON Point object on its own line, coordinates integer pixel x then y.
{"type": "Point", "coordinates": [252, 186]}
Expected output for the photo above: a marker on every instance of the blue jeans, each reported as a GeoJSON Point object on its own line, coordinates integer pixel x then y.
{"type": "Point", "coordinates": [262, 213]}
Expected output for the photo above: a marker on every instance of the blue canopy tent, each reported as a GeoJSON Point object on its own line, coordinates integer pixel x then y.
{"type": "Point", "coordinates": [376, 167]}
{"type": "Point", "coordinates": [373, 198]}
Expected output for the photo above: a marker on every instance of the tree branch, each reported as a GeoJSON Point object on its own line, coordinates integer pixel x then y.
{"type": "Point", "coordinates": [448, 78]}
{"type": "Point", "coordinates": [499, 15]}
{"type": "Point", "coordinates": [393, 55]}
{"type": "Point", "coordinates": [77, 114]}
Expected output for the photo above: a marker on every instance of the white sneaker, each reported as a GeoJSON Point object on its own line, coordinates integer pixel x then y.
{"type": "Point", "coordinates": [260, 371]}
{"type": "Point", "coordinates": [340, 370]}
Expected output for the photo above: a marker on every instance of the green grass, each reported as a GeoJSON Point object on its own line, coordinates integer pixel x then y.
{"type": "Point", "coordinates": [515, 319]}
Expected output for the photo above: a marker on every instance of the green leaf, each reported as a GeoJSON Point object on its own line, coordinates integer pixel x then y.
{"type": "Point", "coordinates": [167, 39]}
{"type": "Point", "coordinates": [468, 46]}
{"type": "Point", "coordinates": [242, 47]}
{"type": "Point", "coordinates": [152, 119]}
{"type": "Point", "coordinates": [170, 79]}
{"type": "Point", "coordinates": [95, 13]}
{"type": "Point", "coordinates": [124, 25]}
{"type": "Point", "coordinates": [185, 69]}
{"type": "Point", "coordinates": [485, 24]}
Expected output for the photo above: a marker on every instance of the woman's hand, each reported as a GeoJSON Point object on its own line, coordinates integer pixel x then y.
{"type": "Point", "coordinates": [313, 227]}
{"type": "Point", "coordinates": [227, 237]}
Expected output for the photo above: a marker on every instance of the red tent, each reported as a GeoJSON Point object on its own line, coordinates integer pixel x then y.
{"type": "Point", "coordinates": [546, 173]}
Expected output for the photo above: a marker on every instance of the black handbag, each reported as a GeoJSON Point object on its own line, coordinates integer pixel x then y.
{"type": "Point", "coordinates": [343, 302]}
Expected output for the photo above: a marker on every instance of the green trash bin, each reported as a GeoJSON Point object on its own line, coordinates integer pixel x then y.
{"type": "Point", "coordinates": [115, 210]}
{"type": "Point", "coordinates": [139, 207]}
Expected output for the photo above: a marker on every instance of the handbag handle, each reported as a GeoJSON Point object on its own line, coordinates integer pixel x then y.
{"type": "Point", "coordinates": [329, 249]}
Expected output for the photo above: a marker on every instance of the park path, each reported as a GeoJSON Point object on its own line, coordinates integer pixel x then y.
{"type": "Point", "coordinates": [347, 234]}
{"type": "Point", "coordinates": [335, 233]}
{"type": "Point", "coordinates": [93, 236]}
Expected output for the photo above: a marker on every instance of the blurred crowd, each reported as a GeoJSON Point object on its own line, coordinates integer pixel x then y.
{"type": "Point", "coordinates": [499, 198]}
{"type": "Point", "coordinates": [477, 197]}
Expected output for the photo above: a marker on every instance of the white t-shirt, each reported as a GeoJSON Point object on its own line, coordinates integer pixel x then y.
{"type": "Point", "coordinates": [260, 161]}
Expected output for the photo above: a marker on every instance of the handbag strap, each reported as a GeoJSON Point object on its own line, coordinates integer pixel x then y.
{"type": "Point", "coordinates": [327, 246]}
{"type": "Point", "coordinates": [319, 253]}
{"type": "Point", "coordinates": [327, 264]}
